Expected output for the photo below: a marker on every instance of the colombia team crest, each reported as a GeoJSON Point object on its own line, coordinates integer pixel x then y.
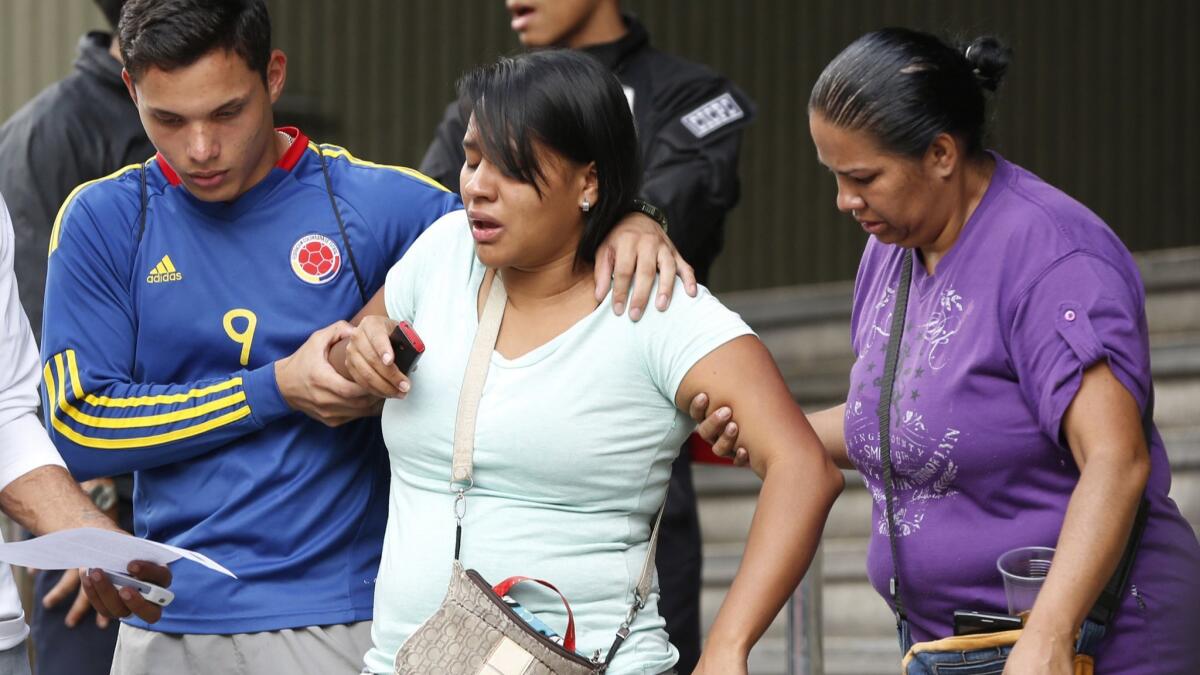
{"type": "Point", "coordinates": [315, 259]}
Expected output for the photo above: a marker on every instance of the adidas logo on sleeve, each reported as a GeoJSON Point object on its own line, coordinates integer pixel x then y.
{"type": "Point", "coordinates": [164, 272]}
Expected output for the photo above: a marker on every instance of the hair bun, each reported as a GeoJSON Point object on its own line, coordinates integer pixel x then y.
{"type": "Point", "coordinates": [988, 58]}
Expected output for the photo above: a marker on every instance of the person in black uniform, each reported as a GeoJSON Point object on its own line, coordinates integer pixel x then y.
{"type": "Point", "coordinates": [690, 123]}
{"type": "Point", "coordinates": [78, 129]}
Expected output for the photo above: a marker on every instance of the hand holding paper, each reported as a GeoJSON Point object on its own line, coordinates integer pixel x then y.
{"type": "Point", "coordinates": [110, 602]}
{"type": "Point", "coordinates": [95, 549]}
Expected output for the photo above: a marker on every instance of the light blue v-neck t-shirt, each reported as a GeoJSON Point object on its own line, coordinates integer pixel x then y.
{"type": "Point", "coordinates": [573, 449]}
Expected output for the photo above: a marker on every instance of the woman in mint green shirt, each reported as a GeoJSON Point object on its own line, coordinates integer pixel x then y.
{"type": "Point", "coordinates": [582, 411]}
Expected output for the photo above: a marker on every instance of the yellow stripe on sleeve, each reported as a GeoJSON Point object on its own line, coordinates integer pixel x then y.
{"type": "Point", "coordinates": [147, 441]}
{"type": "Point", "coordinates": [134, 401]}
{"type": "Point", "coordinates": [54, 232]}
{"type": "Point", "coordinates": [51, 402]}
{"type": "Point", "coordinates": [335, 152]}
{"type": "Point", "coordinates": [62, 385]}
{"type": "Point", "coordinates": [142, 421]}
{"type": "Point", "coordinates": [57, 399]}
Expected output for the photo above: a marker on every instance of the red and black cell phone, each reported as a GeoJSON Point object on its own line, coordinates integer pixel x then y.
{"type": "Point", "coordinates": [407, 346]}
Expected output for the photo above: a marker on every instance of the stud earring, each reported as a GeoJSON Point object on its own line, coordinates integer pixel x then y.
{"type": "Point", "coordinates": [585, 206]}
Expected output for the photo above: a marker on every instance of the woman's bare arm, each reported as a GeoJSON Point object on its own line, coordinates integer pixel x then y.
{"type": "Point", "coordinates": [800, 484]}
{"type": "Point", "coordinates": [830, 425]}
{"type": "Point", "coordinates": [1103, 428]}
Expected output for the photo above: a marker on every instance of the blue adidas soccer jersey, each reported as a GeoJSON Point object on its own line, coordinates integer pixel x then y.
{"type": "Point", "coordinates": [159, 347]}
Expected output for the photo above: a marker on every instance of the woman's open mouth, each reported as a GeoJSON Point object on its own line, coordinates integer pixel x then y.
{"type": "Point", "coordinates": [484, 229]}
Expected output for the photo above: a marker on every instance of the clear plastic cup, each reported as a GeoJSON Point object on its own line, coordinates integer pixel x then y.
{"type": "Point", "coordinates": [1024, 569]}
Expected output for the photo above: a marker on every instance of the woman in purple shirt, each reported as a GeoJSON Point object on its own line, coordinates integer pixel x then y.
{"type": "Point", "coordinates": [1023, 376]}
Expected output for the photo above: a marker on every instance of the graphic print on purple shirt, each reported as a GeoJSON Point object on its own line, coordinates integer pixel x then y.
{"type": "Point", "coordinates": [923, 456]}
{"type": "Point", "coordinates": [1035, 290]}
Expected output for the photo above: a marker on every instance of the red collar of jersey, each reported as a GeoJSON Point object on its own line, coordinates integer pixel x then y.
{"type": "Point", "coordinates": [286, 162]}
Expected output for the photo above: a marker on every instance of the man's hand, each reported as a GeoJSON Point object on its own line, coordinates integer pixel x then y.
{"type": "Point", "coordinates": [632, 254]}
{"type": "Point", "coordinates": [718, 429]}
{"type": "Point", "coordinates": [117, 604]}
{"type": "Point", "coordinates": [67, 586]}
{"type": "Point", "coordinates": [370, 359]}
{"type": "Point", "coordinates": [309, 384]}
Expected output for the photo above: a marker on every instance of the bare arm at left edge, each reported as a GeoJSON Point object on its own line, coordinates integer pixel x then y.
{"type": "Point", "coordinates": [48, 499]}
{"type": "Point", "coordinates": [800, 484]}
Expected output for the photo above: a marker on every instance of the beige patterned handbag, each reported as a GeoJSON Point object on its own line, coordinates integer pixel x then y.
{"type": "Point", "coordinates": [474, 632]}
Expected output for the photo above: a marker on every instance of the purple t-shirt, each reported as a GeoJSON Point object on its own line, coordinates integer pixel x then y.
{"type": "Point", "coordinates": [1036, 289]}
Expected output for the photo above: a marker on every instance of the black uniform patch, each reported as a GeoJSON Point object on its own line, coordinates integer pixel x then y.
{"type": "Point", "coordinates": [712, 115]}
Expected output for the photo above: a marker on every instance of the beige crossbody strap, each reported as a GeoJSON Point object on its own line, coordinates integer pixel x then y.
{"type": "Point", "coordinates": [642, 592]}
{"type": "Point", "coordinates": [463, 470]}
{"type": "Point", "coordinates": [647, 578]}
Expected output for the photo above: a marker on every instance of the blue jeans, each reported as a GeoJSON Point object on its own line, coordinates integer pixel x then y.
{"type": "Point", "coordinates": [974, 662]}
{"type": "Point", "coordinates": [989, 661]}
{"type": "Point", "coordinates": [85, 649]}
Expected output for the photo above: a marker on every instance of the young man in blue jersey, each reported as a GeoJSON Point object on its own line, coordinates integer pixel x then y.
{"type": "Point", "coordinates": [190, 302]}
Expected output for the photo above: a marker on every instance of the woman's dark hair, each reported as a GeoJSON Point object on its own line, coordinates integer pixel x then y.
{"type": "Point", "coordinates": [170, 34]}
{"type": "Point", "coordinates": [566, 102]}
{"type": "Point", "coordinates": [906, 87]}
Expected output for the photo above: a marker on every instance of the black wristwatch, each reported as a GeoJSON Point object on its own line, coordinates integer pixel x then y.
{"type": "Point", "coordinates": [104, 496]}
{"type": "Point", "coordinates": [643, 206]}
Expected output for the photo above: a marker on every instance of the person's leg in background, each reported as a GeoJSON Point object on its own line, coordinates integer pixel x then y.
{"type": "Point", "coordinates": [85, 649]}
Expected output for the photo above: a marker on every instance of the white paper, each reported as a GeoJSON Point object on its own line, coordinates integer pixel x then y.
{"type": "Point", "coordinates": [93, 547]}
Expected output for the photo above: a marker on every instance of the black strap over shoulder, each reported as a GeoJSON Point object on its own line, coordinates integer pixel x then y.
{"type": "Point", "coordinates": [362, 290]}
{"type": "Point", "coordinates": [899, 310]}
{"type": "Point", "coordinates": [145, 199]}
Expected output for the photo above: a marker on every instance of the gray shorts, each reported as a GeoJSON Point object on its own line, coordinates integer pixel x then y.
{"type": "Point", "coordinates": [315, 650]}
{"type": "Point", "coordinates": [15, 660]}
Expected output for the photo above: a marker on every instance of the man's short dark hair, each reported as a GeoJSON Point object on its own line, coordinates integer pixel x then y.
{"type": "Point", "coordinates": [170, 34]}
{"type": "Point", "coordinates": [111, 9]}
